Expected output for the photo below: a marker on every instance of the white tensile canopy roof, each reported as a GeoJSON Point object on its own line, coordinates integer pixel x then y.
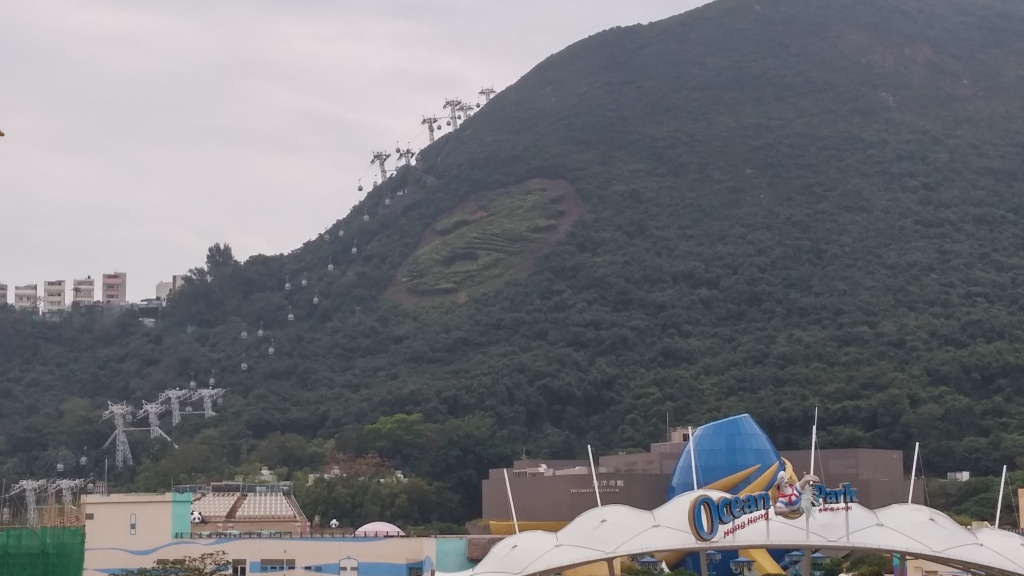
{"type": "Point", "coordinates": [614, 531]}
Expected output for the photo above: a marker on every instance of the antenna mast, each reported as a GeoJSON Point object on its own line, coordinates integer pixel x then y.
{"type": "Point", "coordinates": [379, 158]}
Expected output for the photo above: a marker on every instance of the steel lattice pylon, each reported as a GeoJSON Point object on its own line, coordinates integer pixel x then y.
{"type": "Point", "coordinates": [30, 488]}
{"type": "Point", "coordinates": [209, 395]}
{"type": "Point", "coordinates": [174, 398]}
{"type": "Point", "coordinates": [122, 416]}
{"type": "Point", "coordinates": [67, 488]}
{"type": "Point", "coordinates": [453, 104]}
{"type": "Point", "coordinates": [152, 411]}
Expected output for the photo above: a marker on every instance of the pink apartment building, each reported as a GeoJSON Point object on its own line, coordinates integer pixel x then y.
{"type": "Point", "coordinates": [115, 288]}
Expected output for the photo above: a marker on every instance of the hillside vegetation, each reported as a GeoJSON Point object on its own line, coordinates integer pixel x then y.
{"type": "Point", "coordinates": [787, 203]}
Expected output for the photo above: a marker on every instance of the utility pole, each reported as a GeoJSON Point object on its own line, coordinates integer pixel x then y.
{"type": "Point", "coordinates": [429, 121]}
{"type": "Point", "coordinates": [379, 158]}
{"type": "Point", "coordinates": [453, 118]}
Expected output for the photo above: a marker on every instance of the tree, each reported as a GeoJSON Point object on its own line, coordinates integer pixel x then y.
{"type": "Point", "coordinates": [639, 571]}
{"type": "Point", "coordinates": [868, 564]}
{"type": "Point", "coordinates": [208, 564]}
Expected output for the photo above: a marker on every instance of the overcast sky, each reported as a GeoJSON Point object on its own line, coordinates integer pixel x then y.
{"type": "Point", "coordinates": [138, 133]}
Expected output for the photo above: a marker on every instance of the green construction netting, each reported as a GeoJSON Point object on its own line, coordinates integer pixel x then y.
{"type": "Point", "coordinates": [48, 551]}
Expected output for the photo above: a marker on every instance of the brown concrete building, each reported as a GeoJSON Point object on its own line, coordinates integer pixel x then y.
{"type": "Point", "coordinates": [877, 474]}
{"type": "Point", "coordinates": [559, 490]}
{"type": "Point", "coordinates": [562, 497]}
{"type": "Point", "coordinates": [661, 459]}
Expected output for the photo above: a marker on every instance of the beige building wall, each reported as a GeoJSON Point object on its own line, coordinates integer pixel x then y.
{"type": "Point", "coordinates": [25, 296]}
{"type": "Point", "coordinates": [54, 296]}
{"type": "Point", "coordinates": [390, 556]}
{"type": "Point", "coordinates": [127, 521]}
{"type": "Point", "coordinates": [128, 531]}
{"type": "Point", "coordinates": [163, 289]}
{"type": "Point", "coordinates": [84, 290]}
{"type": "Point", "coordinates": [3, 293]}
{"type": "Point", "coordinates": [917, 567]}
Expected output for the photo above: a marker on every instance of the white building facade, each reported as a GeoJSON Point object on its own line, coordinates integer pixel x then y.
{"type": "Point", "coordinates": [84, 290]}
{"type": "Point", "coordinates": [54, 296]}
{"type": "Point", "coordinates": [25, 296]}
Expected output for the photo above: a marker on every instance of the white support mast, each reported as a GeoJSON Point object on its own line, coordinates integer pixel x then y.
{"type": "Point", "coordinates": [913, 473]}
{"type": "Point", "coordinates": [593, 475]}
{"type": "Point", "coordinates": [999, 505]}
{"type": "Point", "coordinates": [814, 438]}
{"type": "Point", "coordinates": [511, 504]}
{"type": "Point", "coordinates": [693, 455]}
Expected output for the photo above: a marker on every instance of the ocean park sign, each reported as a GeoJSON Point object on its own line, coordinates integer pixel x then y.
{"type": "Point", "coordinates": [708, 515]}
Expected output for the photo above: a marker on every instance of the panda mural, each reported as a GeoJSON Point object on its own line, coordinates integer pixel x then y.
{"type": "Point", "coordinates": [197, 517]}
{"type": "Point", "coordinates": [334, 523]}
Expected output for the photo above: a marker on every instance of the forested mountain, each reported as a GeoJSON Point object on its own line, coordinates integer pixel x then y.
{"type": "Point", "coordinates": [758, 205]}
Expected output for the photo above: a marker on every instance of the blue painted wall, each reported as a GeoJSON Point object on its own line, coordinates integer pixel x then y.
{"type": "Point", "coordinates": [181, 513]}
{"type": "Point", "coordinates": [451, 555]}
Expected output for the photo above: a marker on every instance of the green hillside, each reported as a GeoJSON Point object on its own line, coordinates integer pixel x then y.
{"type": "Point", "coordinates": [765, 205]}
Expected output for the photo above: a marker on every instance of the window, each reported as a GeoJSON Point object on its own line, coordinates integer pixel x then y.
{"type": "Point", "coordinates": [238, 567]}
{"type": "Point", "coordinates": [276, 564]}
{"type": "Point", "coordinates": [415, 571]}
{"type": "Point", "coordinates": [131, 525]}
{"type": "Point", "coordinates": [88, 515]}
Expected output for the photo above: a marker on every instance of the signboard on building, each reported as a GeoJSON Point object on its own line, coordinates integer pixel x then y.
{"type": "Point", "coordinates": [709, 515]}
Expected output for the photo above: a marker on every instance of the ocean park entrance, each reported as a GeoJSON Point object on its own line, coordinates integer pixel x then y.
{"type": "Point", "coordinates": [736, 507]}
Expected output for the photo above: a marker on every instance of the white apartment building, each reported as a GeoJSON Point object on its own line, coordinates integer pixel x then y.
{"type": "Point", "coordinates": [25, 296]}
{"type": "Point", "coordinates": [84, 290]}
{"type": "Point", "coordinates": [165, 289]}
{"type": "Point", "coordinates": [54, 296]}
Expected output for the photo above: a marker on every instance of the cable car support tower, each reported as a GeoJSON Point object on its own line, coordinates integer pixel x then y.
{"type": "Point", "coordinates": [405, 156]}
{"type": "Point", "coordinates": [379, 158]}
{"type": "Point", "coordinates": [453, 105]}
{"type": "Point", "coordinates": [429, 122]}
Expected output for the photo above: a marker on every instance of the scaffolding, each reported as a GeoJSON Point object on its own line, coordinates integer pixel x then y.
{"type": "Point", "coordinates": [45, 551]}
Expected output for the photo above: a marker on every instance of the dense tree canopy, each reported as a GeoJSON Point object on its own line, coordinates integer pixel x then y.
{"type": "Point", "coordinates": [788, 203]}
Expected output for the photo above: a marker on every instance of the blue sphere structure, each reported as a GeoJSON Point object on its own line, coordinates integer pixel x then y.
{"type": "Point", "coordinates": [732, 455]}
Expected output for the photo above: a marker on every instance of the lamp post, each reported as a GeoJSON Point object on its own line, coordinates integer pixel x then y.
{"type": "Point", "coordinates": [741, 565]}
{"type": "Point", "coordinates": [712, 557]}
{"type": "Point", "coordinates": [794, 559]}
